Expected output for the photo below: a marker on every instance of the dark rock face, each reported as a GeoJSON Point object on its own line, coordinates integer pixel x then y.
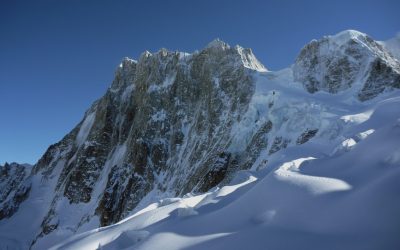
{"type": "Point", "coordinates": [306, 136]}
{"type": "Point", "coordinates": [214, 176]}
{"type": "Point", "coordinates": [382, 76]}
{"type": "Point", "coordinates": [331, 73]}
{"type": "Point", "coordinates": [278, 144]}
{"type": "Point", "coordinates": [336, 63]}
{"type": "Point", "coordinates": [258, 143]}
{"type": "Point", "coordinates": [14, 187]}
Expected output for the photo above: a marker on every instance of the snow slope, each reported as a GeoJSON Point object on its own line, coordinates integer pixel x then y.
{"type": "Point", "coordinates": [341, 193]}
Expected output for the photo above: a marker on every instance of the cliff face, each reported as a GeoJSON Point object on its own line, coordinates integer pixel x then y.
{"type": "Point", "coordinates": [163, 127]}
{"type": "Point", "coordinates": [173, 123]}
{"type": "Point", "coordinates": [13, 189]}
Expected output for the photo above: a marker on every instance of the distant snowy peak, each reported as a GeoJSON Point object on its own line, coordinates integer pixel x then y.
{"type": "Point", "coordinates": [349, 59]}
{"type": "Point", "coordinates": [393, 46]}
{"type": "Point", "coordinates": [247, 58]}
{"type": "Point", "coordinates": [346, 38]}
{"type": "Point", "coordinates": [127, 63]}
{"type": "Point", "coordinates": [347, 35]}
{"type": "Point", "coordinates": [217, 44]}
{"type": "Point", "coordinates": [215, 50]}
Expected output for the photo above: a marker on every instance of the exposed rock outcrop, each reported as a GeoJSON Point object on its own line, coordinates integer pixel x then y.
{"type": "Point", "coordinates": [14, 187]}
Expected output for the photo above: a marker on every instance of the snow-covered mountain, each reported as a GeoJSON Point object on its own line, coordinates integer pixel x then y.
{"type": "Point", "coordinates": [348, 60]}
{"type": "Point", "coordinates": [309, 152]}
{"type": "Point", "coordinates": [393, 46]}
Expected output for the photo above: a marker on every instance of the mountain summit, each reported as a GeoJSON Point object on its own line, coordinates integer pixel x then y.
{"type": "Point", "coordinates": [350, 59]}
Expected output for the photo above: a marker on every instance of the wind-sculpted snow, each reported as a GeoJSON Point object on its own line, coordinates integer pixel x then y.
{"type": "Point", "coordinates": [175, 131]}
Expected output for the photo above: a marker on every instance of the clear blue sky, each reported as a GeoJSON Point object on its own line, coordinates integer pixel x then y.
{"type": "Point", "coordinates": [57, 57]}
